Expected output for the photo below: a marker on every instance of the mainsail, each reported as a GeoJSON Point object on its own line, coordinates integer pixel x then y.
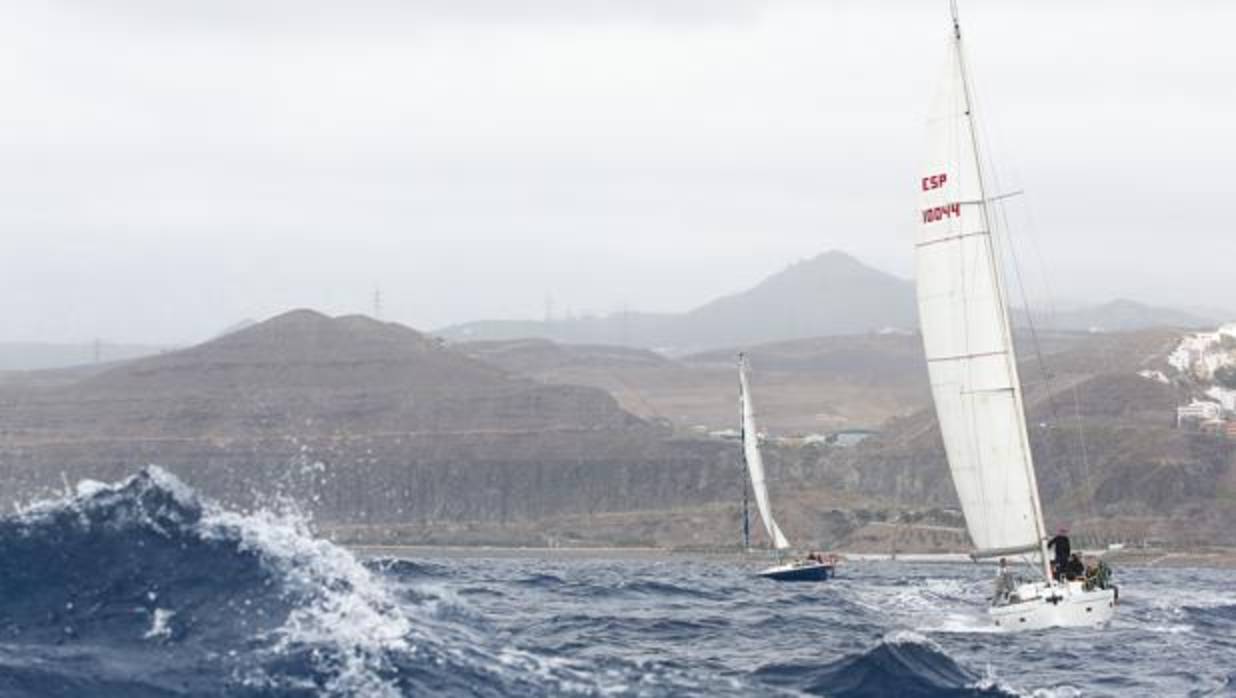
{"type": "Point", "coordinates": [755, 464]}
{"type": "Point", "coordinates": [966, 331]}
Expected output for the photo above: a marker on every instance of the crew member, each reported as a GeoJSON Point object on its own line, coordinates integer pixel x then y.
{"type": "Point", "coordinates": [1004, 582]}
{"type": "Point", "coordinates": [1060, 544]}
{"type": "Point", "coordinates": [1075, 569]}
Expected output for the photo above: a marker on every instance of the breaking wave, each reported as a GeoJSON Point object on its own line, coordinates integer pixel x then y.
{"type": "Point", "coordinates": [141, 588]}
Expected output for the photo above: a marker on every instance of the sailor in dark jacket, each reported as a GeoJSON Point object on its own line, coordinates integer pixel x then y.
{"type": "Point", "coordinates": [1061, 546]}
{"type": "Point", "coordinates": [1076, 569]}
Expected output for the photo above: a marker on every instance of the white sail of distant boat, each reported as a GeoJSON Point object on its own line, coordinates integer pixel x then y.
{"type": "Point", "coordinates": [755, 462]}
{"type": "Point", "coordinates": [968, 339]}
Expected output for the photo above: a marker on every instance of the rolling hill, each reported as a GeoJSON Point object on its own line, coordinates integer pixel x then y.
{"type": "Point", "coordinates": [829, 295]}
{"type": "Point", "coordinates": [360, 421]}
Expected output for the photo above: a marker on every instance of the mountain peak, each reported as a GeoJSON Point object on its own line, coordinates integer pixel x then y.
{"type": "Point", "coordinates": [832, 293]}
{"type": "Point", "coordinates": [836, 257]}
{"type": "Point", "coordinates": [832, 264]}
{"type": "Point", "coordinates": [308, 325]}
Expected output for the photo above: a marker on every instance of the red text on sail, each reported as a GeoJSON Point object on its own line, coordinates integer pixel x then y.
{"type": "Point", "coordinates": [934, 181]}
{"type": "Point", "coordinates": [937, 213]}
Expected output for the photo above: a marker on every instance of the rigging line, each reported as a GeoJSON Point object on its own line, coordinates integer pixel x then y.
{"type": "Point", "coordinates": [1081, 437]}
{"type": "Point", "coordinates": [1053, 314]}
{"type": "Point", "coordinates": [1087, 479]}
{"type": "Point", "coordinates": [1006, 321]}
{"type": "Point", "coordinates": [1032, 326]}
{"type": "Point", "coordinates": [1001, 293]}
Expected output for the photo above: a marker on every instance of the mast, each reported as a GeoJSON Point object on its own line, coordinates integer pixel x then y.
{"type": "Point", "coordinates": [746, 468]}
{"type": "Point", "coordinates": [746, 514]}
{"type": "Point", "coordinates": [1002, 295]}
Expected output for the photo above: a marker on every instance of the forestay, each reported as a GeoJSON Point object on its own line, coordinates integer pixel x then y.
{"type": "Point", "coordinates": [966, 332]}
{"type": "Point", "coordinates": [755, 463]}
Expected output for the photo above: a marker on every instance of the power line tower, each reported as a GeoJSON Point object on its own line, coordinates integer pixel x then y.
{"type": "Point", "coordinates": [377, 303]}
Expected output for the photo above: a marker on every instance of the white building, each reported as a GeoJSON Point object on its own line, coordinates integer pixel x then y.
{"type": "Point", "coordinates": [1198, 412]}
{"type": "Point", "coordinates": [1200, 354]}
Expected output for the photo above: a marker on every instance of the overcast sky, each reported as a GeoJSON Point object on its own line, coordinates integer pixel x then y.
{"type": "Point", "coordinates": [169, 167]}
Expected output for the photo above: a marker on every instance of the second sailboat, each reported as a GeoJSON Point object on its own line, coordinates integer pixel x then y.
{"type": "Point", "coordinates": [813, 568]}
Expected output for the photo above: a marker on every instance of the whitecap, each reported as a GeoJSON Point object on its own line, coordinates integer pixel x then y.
{"type": "Point", "coordinates": [160, 625]}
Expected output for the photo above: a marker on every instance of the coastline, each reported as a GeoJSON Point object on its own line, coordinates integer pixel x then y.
{"type": "Point", "coordinates": [1211, 558]}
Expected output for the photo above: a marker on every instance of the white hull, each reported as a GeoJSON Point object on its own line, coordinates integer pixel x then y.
{"type": "Point", "coordinates": [1038, 606]}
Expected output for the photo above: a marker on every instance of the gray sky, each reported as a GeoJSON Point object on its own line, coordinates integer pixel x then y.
{"type": "Point", "coordinates": [172, 166]}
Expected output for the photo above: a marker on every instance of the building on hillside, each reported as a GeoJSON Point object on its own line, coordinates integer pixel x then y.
{"type": "Point", "coordinates": [1193, 415]}
{"type": "Point", "coordinates": [844, 438]}
{"type": "Point", "coordinates": [1201, 354]}
{"type": "Point", "coordinates": [1226, 397]}
{"type": "Point", "coordinates": [1156, 376]}
{"type": "Point", "coordinates": [850, 437]}
{"type": "Point", "coordinates": [1214, 427]}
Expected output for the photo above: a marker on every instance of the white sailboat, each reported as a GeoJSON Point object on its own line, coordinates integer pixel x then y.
{"type": "Point", "coordinates": [974, 380]}
{"type": "Point", "coordinates": [811, 569]}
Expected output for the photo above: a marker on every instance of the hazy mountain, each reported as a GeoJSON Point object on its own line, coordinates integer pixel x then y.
{"type": "Point", "coordinates": [830, 294]}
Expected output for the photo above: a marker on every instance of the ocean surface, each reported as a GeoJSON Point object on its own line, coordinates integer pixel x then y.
{"type": "Point", "coordinates": [140, 588]}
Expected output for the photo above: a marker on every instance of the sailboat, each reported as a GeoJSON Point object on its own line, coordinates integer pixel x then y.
{"type": "Point", "coordinates": [814, 568]}
{"type": "Point", "coordinates": [963, 310]}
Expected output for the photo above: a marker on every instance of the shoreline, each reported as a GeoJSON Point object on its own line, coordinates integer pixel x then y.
{"type": "Point", "coordinates": [1153, 558]}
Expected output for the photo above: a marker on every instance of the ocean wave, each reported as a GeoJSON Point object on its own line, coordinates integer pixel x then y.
{"type": "Point", "coordinates": [902, 663]}
{"type": "Point", "coordinates": [647, 587]}
{"type": "Point", "coordinates": [247, 604]}
{"type": "Point", "coordinates": [142, 588]}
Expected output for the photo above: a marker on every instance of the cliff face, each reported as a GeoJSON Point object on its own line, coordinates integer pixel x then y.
{"type": "Point", "coordinates": [359, 420]}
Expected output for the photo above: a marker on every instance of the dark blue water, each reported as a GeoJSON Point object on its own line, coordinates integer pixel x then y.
{"type": "Point", "coordinates": [140, 589]}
